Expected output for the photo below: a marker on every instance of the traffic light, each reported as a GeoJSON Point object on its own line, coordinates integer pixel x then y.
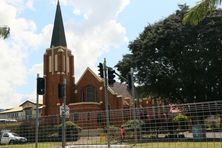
{"type": "Point", "coordinates": [101, 70]}
{"type": "Point", "coordinates": [40, 86]}
{"type": "Point", "coordinates": [61, 91]}
{"type": "Point", "coordinates": [111, 76]}
{"type": "Point", "coordinates": [129, 81]}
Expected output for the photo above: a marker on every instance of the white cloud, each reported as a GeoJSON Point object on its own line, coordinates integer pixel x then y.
{"type": "Point", "coordinates": [99, 32]}
{"type": "Point", "coordinates": [98, 11]}
{"type": "Point", "coordinates": [37, 69]}
{"type": "Point", "coordinates": [15, 51]}
{"type": "Point", "coordinates": [6, 18]}
{"type": "Point", "coordinates": [29, 4]}
{"type": "Point", "coordinates": [76, 12]}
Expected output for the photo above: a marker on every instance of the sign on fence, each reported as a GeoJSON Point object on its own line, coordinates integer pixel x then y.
{"type": "Point", "coordinates": [66, 110]}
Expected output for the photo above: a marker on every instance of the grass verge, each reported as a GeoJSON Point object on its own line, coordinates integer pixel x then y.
{"type": "Point", "coordinates": [179, 145]}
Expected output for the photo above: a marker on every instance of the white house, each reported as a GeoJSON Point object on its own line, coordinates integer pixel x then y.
{"type": "Point", "coordinates": [25, 111]}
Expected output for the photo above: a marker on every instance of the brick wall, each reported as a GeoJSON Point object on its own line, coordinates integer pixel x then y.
{"type": "Point", "coordinates": [58, 65]}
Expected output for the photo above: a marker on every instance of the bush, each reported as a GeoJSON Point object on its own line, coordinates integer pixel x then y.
{"type": "Point", "coordinates": [114, 133]}
{"type": "Point", "coordinates": [27, 129]}
{"type": "Point", "coordinates": [72, 131]}
{"type": "Point", "coordinates": [180, 117]}
{"type": "Point", "coordinates": [181, 121]}
{"type": "Point", "coordinates": [130, 125]}
{"type": "Point", "coordinates": [48, 133]}
{"type": "Point", "coordinates": [10, 126]}
{"type": "Point", "coordinates": [212, 122]}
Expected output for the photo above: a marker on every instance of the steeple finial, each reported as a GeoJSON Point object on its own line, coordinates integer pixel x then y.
{"type": "Point", "coordinates": [58, 34]}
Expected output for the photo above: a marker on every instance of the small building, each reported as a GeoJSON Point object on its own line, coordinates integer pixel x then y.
{"type": "Point", "coordinates": [25, 111]}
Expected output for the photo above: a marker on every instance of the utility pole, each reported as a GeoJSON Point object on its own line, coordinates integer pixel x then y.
{"type": "Point", "coordinates": [64, 116]}
{"type": "Point", "coordinates": [134, 104]}
{"type": "Point", "coordinates": [106, 101]}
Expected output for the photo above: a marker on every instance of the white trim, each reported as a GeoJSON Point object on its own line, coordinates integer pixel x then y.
{"type": "Point", "coordinates": [67, 64]}
{"type": "Point", "coordinates": [56, 62]}
{"type": "Point", "coordinates": [86, 103]}
{"type": "Point", "coordinates": [63, 63]}
{"type": "Point", "coordinates": [50, 63]}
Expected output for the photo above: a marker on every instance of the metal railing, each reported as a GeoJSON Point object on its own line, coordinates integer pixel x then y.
{"type": "Point", "coordinates": [165, 126]}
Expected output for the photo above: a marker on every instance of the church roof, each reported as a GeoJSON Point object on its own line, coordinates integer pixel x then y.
{"type": "Point", "coordinates": [121, 89]}
{"type": "Point", "coordinates": [58, 34]}
{"type": "Point", "coordinates": [88, 69]}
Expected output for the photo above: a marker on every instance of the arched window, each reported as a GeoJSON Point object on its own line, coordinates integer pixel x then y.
{"type": "Point", "coordinates": [89, 94]}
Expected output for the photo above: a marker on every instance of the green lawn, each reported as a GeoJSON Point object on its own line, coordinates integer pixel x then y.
{"type": "Point", "coordinates": [32, 145]}
{"type": "Point", "coordinates": [179, 145]}
{"type": "Point", "coordinates": [144, 145]}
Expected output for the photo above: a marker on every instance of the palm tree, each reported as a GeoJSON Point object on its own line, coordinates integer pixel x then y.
{"type": "Point", "coordinates": [198, 12]}
{"type": "Point", "coordinates": [4, 32]}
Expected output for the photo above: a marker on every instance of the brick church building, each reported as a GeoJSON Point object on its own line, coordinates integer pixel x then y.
{"type": "Point", "coordinates": [85, 95]}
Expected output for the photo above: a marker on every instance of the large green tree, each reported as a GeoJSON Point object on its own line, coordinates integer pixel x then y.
{"type": "Point", "coordinates": [178, 62]}
{"type": "Point", "coordinates": [197, 13]}
{"type": "Point", "coordinates": [4, 32]}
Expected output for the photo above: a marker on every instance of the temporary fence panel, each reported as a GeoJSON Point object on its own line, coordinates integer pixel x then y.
{"type": "Point", "coordinates": [197, 125]}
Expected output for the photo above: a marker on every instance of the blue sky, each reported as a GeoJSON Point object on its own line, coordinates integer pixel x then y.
{"type": "Point", "coordinates": [95, 29]}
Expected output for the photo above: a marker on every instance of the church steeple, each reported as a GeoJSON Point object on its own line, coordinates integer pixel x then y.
{"type": "Point", "coordinates": [58, 35]}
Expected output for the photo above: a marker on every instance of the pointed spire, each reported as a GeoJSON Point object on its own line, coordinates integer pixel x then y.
{"type": "Point", "coordinates": [58, 35]}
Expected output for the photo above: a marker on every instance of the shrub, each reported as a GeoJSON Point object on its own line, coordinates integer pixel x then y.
{"type": "Point", "coordinates": [72, 131]}
{"type": "Point", "coordinates": [180, 117]}
{"type": "Point", "coordinates": [27, 129]}
{"type": "Point", "coordinates": [48, 132]}
{"type": "Point", "coordinates": [212, 122]}
{"type": "Point", "coordinates": [181, 120]}
{"type": "Point", "coordinates": [130, 125]}
{"type": "Point", "coordinates": [10, 126]}
{"type": "Point", "coordinates": [114, 132]}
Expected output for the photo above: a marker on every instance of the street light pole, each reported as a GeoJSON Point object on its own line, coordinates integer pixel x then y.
{"type": "Point", "coordinates": [134, 104]}
{"type": "Point", "coordinates": [106, 101]}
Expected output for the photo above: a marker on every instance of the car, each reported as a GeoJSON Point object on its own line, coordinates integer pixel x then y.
{"type": "Point", "coordinates": [5, 121]}
{"type": "Point", "coordinates": [8, 137]}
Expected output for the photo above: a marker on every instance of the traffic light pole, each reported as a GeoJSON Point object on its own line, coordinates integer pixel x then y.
{"type": "Point", "coordinates": [37, 118]}
{"type": "Point", "coordinates": [121, 76]}
{"type": "Point", "coordinates": [106, 101]}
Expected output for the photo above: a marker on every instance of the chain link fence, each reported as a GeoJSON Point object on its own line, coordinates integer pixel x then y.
{"type": "Point", "coordinates": [176, 125]}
